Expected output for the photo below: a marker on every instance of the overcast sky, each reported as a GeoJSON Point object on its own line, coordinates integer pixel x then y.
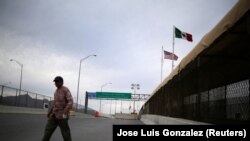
{"type": "Point", "coordinates": [49, 37]}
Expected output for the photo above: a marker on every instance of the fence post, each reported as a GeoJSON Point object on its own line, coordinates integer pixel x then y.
{"type": "Point", "coordinates": [35, 100]}
{"type": "Point", "coordinates": [43, 101]}
{"type": "Point", "coordinates": [27, 95]}
{"type": "Point", "coordinates": [86, 103]}
{"type": "Point", "coordinates": [49, 101]}
{"type": "Point", "coordinates": [208, 103]}
{"type": "Point", "coordinates": [225, 102]}
{"type": "Point", "coordinates": [1, 95]}
{"type": "Point", "coordinates": [18, 97]}
{"type": "Point", "coordinates": [198, 106]}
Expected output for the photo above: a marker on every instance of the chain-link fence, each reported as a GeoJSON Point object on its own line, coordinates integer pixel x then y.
{"type": "Point", "coordinates": [13, 97]}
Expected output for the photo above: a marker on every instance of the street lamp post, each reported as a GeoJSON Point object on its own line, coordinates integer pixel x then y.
{"type": "Point", "coordinates": [79, 78]}
{"type": "Point", "coordinates": [134, 87]}
{"type": "Point", "coordinates": [21, 65]}
{"type": "Point", "coordinates": [100, 108]}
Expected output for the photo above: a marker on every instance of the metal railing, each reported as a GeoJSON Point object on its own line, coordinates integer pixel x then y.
{"type": "Point", "coordinates": [12, 97]}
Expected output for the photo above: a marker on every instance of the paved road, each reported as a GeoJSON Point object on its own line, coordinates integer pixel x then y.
{"type": "Point", "coordinates": [30, 127]}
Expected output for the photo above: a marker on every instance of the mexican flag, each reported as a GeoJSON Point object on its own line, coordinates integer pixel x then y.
{"type": "Point", "coordinates": [183, 35]}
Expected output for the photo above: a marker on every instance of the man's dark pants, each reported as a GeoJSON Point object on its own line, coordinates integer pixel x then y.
{"type": "Point", "coordinates": [51, 126]}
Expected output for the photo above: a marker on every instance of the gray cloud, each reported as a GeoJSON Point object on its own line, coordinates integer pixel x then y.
{"type": "Point", "coordinates": [51, 37]}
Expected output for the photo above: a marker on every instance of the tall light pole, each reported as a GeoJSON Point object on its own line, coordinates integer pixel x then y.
{"type": "Point", "coordinates": [21, 65]}
{"type": "Point", "coordinates": [100, 108]}
{"type": "Point", "coordinates": [79, 78]}
{"type": "Point", "coordinates": [134, 87]}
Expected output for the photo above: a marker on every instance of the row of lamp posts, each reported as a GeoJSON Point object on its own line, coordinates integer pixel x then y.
{"type": "Point", "coordinates": [133, 86]}
{"type": "Point", "coordinates": [21, 65]}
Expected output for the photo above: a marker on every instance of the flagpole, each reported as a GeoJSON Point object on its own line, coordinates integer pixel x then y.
{"type": "Point", "coordinates": [161, 61]}
{"type": "Point", "coordinates": [173, 48]}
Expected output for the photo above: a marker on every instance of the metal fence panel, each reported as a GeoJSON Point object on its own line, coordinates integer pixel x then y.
{"type": "Point", "coordinates": [238, 100]}
{"type": "Point", "coordinates": [31, 99]}
{"type": "Point", "coordinates": [225, 104]}
{"type": "Point", "coordinates": [10, 96]}
{"type": "Point", "coordinates": [39, 103]}
{"type": "Point", "coordinates": [204, 105]}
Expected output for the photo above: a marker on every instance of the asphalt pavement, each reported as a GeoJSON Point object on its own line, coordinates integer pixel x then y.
{"type": "Point", "coordinates": [30, 127]}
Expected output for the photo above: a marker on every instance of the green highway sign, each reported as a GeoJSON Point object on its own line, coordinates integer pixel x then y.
{"type": "Point", "coordinates": [113, 95]}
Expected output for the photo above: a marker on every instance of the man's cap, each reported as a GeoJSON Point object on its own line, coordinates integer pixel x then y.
{"type": "Point", "coordinates": [58, 79]}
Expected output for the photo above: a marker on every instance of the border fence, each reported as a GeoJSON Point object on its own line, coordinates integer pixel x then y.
{"type": "Point", "coordinates": [229, 102]}
{"type": "Point", "coordinates": [225, 104]}
{"type": "Point", "coordinates": [10, 96]}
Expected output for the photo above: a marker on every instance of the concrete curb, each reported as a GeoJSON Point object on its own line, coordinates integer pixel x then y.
{"type": "Point", "coordinates": [21, 110]}
{"type": "Point", "coordinates": [4, 109]}
{"type": "Point", "coordinates": [156, 119]}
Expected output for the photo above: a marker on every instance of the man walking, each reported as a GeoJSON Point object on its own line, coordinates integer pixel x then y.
{"type": "Point", "coordinates": [59, 113]}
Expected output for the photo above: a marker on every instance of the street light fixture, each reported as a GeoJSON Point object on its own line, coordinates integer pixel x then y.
{"type": "Point", "coordinates": [21, 65]}
{"type": "Point", "coordinates": [134, 87]}
{"type": "Point", "coordinates": [104, 85]}
{"type": "Point", "coordinates": [79, 77]}
{"type": "Point", "coordinates": [100, 99]}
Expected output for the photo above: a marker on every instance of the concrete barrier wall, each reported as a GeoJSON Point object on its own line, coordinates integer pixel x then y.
{"type": "Point", "coordinates": [156, 119]}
